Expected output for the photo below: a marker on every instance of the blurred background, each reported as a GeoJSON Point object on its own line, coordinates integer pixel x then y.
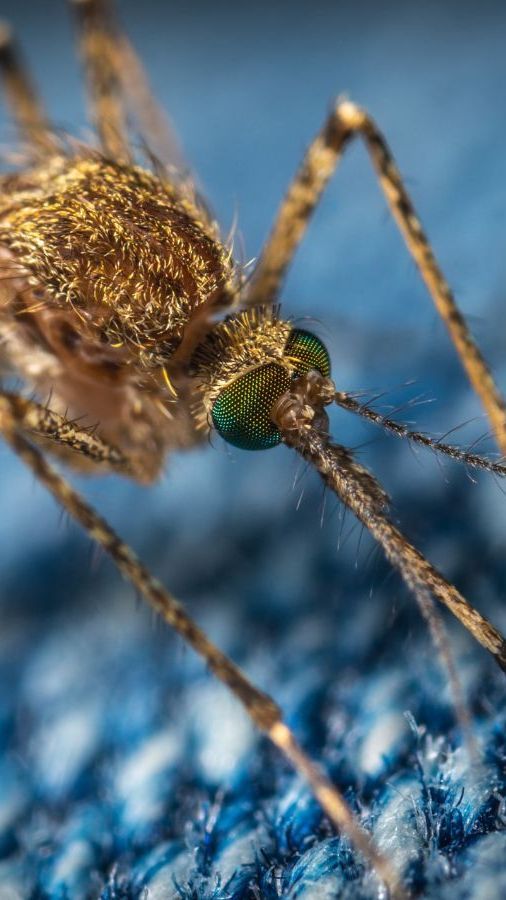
{"type": "Point", "coordinates": [124, 766]}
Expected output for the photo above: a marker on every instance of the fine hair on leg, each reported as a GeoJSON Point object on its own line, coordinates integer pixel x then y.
{"type": "Point", "coordinates": [345, 122]}
{"type": "Point", "coordinates": [300, 416]}
{"type": "Point", "coordinates": [65, 433]}
{"type": "Point", "coordinates": [360, 492]}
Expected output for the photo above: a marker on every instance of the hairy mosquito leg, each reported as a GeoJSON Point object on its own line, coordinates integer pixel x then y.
{"type": "Point", "coordinates": [43, 421]}
{"type": "Point", "coordinates": [22, 97]}
{"type": "Point", "coordinates": [300, 416]}
{"type": "Point", "coordinates": [103, 85]}
{"type": "Point", "coordinates": [345, 122]}
{"type": "Point", "coordinates": [350, 403]}
{"type": "Point", "coordinates": [263, 711]}
{"type": "Point", "coordinates": [301, 411]}
{"type": "Point", "coordinates": [154, 126]}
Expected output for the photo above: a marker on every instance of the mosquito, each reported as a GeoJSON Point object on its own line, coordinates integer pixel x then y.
{"type": "Point", "coordinates": [121, 303]}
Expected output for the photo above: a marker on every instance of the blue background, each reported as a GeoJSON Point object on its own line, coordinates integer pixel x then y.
{"type": "Point", "coordinates": [89, 679]}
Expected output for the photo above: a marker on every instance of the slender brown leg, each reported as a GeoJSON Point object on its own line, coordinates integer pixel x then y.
{"type": "Point", "coordinates": [153, 124]}
{"type": "Point", "coordinates": [439, 636]}
{"type": "Point", "coordinates": [362, 494]}
{"type": "Point", "coordinates": [103, 85]}
{"type": "Point", "coordinates": [345, 122]}
{"type": "Point", "coordinates": [44, 422]}
{"type": "Point", "coordinates": [118, 82]}
{"type": "Point", "coordinates": [22, 97]}
{"type": "Point", "coordinates": [263, 711]}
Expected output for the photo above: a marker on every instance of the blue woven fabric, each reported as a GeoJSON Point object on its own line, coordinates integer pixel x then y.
{"type": "Point", "coordinates": [126, 771]}
{"type": "Point", "coordinates": [125, 766]}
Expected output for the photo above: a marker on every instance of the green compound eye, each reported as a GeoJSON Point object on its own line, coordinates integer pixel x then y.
{"type": "Point", "coordinates": [241, 413]}
{"type": "Point", "coordinates": [307, 352]}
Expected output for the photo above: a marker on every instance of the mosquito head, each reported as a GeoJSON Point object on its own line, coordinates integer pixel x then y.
{"type": "Point", "coordinates": [245, 366]}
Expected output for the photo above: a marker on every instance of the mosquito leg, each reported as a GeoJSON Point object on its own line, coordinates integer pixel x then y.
{"type": "Point", "coordinates": [345, 122]}
{"type": "Point", "coordinates": [44, 422]}
{"type": "Point", "coordinates": [103, 85]}
{"type": "Point", "coordinates": [303, 429]}
{"type": "Point", "coordinates": [22, 97]}
{"type": "Point", "coordinates": [440, 640]}
{"type": "Point", "coordinates": [263, 711]}
{"type": "Point", "coordinates": [118, 79]}
{"type": "Point", "coordinates": [362, 494]}
{"type": "Point", "coordinates": [154, 126]}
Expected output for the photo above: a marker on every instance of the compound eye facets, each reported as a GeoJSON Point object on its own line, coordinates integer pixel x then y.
{"type": "Point", "coordinates": [307, 352]}
{"type": "Point", "coordinates": [241, 412]}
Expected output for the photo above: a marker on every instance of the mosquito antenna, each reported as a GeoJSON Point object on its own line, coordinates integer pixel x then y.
{"type": "Point", "coordinates": [303, 424]}
{"type": "Point", "coordinates": [348, 402]}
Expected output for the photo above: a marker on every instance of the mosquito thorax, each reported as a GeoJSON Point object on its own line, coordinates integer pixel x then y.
{"type": "Point", "coordinates": [129, 260]}
{"type": "Point", "coordinates": [244, 366]}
